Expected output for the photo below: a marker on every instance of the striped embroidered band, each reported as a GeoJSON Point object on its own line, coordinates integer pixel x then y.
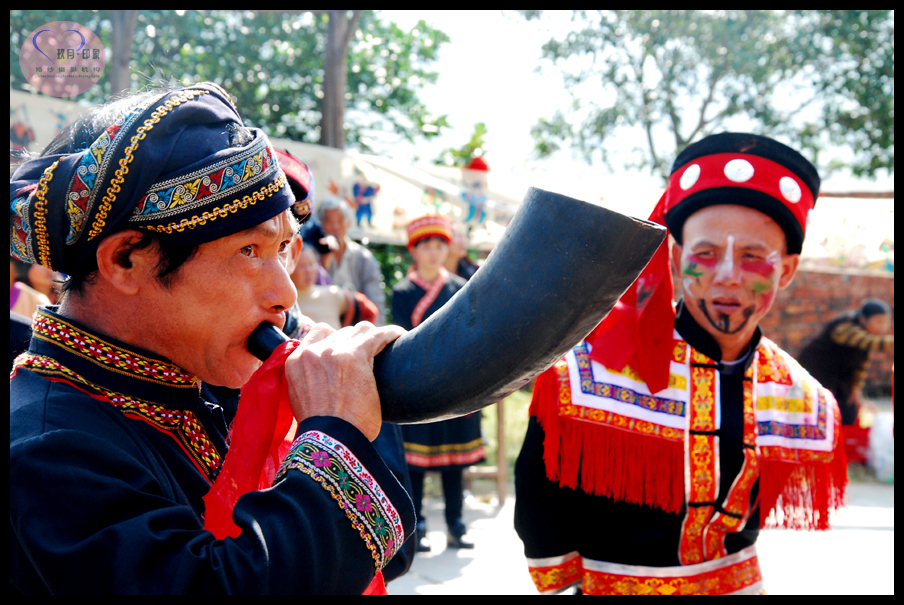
{"type": "Point", "coordinates": [179, 164]}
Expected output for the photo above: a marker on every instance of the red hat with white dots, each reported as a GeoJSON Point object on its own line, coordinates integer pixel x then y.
{"type": "Point", "coordinates": [747, 170]}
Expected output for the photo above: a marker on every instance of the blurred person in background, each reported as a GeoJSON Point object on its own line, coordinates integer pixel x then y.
{"type": "Point", "coordinates": [838, 356]}
{"type": "Point", "coordinates": [458, 261]}
{"type": "Point", "coordinates": [447, 446]}
{"type": "Point", "coordinates": [23, 298]}
{"type": "Point", "coordinates": [332, 305]}
{"type": "Point", "coordinates": [351, 266]}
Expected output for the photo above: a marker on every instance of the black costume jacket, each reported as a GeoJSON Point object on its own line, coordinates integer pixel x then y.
{"type": "Point", "coordinates": [642, 535]}
{"type": "Point", "coordinates": [111, 452]}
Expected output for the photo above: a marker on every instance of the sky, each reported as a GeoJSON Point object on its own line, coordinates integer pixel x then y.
{"type": "Point", "coordinates": [488, 73]}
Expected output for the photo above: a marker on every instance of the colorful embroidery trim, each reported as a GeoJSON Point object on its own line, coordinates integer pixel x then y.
{"type": "Point", "coordinates": [568, 409]}
{"type": "Point", "coordinates": [215, 182]}
{"type": "Point", "coordinates": [93, 169]}
{"type": "Point", "coordinates": [736, 574]}
{"type": "Point", "coordinates": [111, 357]}
{"type": "Point", "coordinates": [737, 505]}
{"type": "Point", "coordinates": [701, 458]}
{"type": "Point", "coordinates": [792, 411]}
{"type": "Point", "coordinates": [590, 386]}
{"type": "Point", "coordinates": [20, 243]}
{"type": "Point", "coordinates": [357, 493]}
{"type": "Point", "coordinates": [555, 574]}
{"type": "Point", "coordinates": [182, 425]}
{"type": "Point", "coordinates": [444, 455]}
{"type": "Point", "coordinates": [40, 213]}
{"type": "Point", "coordinates": [221, 212]}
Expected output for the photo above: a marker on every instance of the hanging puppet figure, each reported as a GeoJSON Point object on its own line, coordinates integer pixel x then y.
{"type": "Point", "coordinates": [475, 188]}
{"type": "Point", "coordinates": [364, 192]}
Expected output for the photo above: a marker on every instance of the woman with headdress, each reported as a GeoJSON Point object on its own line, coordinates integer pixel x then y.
{"type": "Point", "coordinates": [447, 446]}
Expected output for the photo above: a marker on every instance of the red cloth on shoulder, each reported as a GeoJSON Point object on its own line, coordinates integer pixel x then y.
{"type": "Point", "coordinates": [639, 330]}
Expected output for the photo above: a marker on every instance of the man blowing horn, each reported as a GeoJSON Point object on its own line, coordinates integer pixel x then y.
{"type": "Point", "coordinates": [173, 222]}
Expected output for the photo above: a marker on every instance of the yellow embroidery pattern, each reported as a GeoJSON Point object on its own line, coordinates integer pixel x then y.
{"type": "Point", "coordinates": [120, 175]}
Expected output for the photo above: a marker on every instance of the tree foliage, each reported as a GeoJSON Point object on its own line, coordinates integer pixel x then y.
{"type": "Point", "coordinates": [823, 80]}
{"type": "Point", "coordinates": [460, 156]}
{"type": "Point", "coordinates": [272, 63]}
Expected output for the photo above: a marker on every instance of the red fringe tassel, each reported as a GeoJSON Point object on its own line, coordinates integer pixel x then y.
{"type": "Point", "coordinates": [646, 470]}
{"type": "Point", "coordinates": [801, 495]}
{"type": "Point", "coordinates": [622, 465]}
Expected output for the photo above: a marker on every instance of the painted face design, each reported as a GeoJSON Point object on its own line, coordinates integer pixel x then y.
{"type": "Point", "coordinates": [730, 281]}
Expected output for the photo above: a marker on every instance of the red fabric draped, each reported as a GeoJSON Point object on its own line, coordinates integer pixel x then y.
{"type": "Point", "coordinates": [642, 321]}
{"type": "Point", "coordinates": [259, 440]}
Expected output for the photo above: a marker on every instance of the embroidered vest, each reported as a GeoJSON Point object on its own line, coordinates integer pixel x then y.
{"type": "Point", "coordinates": [607, 434]}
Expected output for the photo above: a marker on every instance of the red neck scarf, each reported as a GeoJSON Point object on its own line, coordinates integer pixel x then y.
{"type": "Point", "coordinates": [259, 439]}
{"type": "Point", "coordinates": [432, 288]}
{"type": "Point", "coordinates": [638, 331]}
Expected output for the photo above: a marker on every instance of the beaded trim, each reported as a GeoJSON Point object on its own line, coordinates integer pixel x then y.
{"type": "Point", "coordinates": [222, 212]}
{"type": "Point", "coordinates": [40, 221]}
{"type": "Point", "coordinates": [108, 355]}
{"type": "Point", "coordinates": [119, 176]}
{"type": "Point", "coordinates": [357, 493]}
{"type": "Point", "coordinates": [182, 425]}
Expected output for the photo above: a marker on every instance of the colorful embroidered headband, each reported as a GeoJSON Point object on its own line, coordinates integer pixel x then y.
{"type": "Point", "coordinates": [166, 166]}
{"type": "Point", "coordinates": [747, 170]}
{"type": "Point", "coordinates": [432, 225]}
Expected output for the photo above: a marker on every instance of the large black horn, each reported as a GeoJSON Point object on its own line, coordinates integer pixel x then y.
{"type": "Point", "coordinates": [560, 267]}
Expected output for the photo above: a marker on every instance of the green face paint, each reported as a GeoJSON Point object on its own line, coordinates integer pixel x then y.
{"type": "Point", "coordinates": [691, 269]}
{"type": "Point", "coordinates": [761, 286]}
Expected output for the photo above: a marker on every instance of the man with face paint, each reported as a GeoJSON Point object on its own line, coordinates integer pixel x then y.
{"type": "Point", "coordinates": [681, 430]}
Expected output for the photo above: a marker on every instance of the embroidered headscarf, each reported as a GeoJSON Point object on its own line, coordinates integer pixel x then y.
{"type": "Point", "coordinates": [165, 167]}
{"type": "Point", "coordinates": [729, 168]}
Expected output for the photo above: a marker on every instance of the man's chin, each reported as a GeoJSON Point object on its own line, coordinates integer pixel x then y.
{"type": "Point", "coordinates": [726, 319]}
{"type": "Point", "coordinates": [241, 373]}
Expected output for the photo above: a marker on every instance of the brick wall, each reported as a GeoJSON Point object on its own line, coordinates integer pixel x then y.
{"type": "Point", "coordinates": [816, 297]}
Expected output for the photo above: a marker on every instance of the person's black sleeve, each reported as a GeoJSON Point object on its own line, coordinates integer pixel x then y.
{"type": "Point", "coordinates": [91, 513]}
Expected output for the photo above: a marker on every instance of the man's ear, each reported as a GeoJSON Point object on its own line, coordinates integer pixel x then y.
{"type": "Point", "coordinates": [676, 258]}
{"type": "Point", "coordinates": [125, 264]}
{"type": "Point", "coordinates": [790, 263]}
{"type": "Point", "coordinates": [294, 252]}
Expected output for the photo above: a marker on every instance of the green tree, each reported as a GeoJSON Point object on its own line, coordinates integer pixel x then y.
{"type": "Point", "coordinates": [460, 156]}
{"type": "Point", "coordinates": [817, 78]}
{"type": "Point", "coordinates": [272, 63]}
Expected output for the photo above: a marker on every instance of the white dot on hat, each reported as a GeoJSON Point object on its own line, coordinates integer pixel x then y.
{"type": "Point", "coordinates": [690, 176]}
{"type": "Point", "coordinates": [739, 170]}
{"type": "Point", "coordinates": [790, 189]}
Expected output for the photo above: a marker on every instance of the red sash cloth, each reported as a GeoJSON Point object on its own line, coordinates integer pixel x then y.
{"type": "Point", "coordinates": [432, 288]}
{"type": "Point", "coordinates": [259, 439]}
{"type": "Point", "coordinates": [642, 321]}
